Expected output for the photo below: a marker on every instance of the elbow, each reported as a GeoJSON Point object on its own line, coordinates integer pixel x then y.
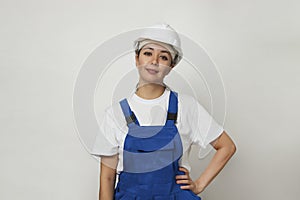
{"type": "Point", "coordinates": [232, 149]}
{"type": "Point", "coordinates": [229, 150]}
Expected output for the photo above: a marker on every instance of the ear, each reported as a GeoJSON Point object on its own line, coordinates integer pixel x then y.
{"type": "Point", "coordinates": [137, 63]}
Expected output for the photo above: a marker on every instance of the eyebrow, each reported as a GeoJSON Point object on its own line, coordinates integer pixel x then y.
{"type": "Point", "coordinates": [162, 51]}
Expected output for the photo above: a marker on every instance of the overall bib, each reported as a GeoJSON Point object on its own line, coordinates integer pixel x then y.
{"type": "Point", "coordinates": [150, 159]}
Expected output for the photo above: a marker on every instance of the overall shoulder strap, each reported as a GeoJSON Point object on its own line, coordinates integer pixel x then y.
{"type": "Point", "coordinates": [173, 108]}
{"type": "Point", "coordinates": [129, 115]}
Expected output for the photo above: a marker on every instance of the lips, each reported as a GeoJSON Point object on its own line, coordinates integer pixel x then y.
{"type": "Point", "coordinates": [152, 71]}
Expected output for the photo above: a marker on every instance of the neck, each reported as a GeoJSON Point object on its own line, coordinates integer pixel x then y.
{"type": "Point", "coordinates": [150, 91]}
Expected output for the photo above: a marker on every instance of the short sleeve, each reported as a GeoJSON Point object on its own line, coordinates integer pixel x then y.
{"type": "Point", "coordinates": [204, 128]}
{"type": "Point", "coordinates": [106, 143]}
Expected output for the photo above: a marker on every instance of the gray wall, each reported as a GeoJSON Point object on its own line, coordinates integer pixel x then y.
{"type": "Point", "coordinates": [254, 44]}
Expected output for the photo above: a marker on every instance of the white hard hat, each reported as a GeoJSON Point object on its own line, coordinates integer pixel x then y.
{"type": "Point", "coordinates": [163, 33]}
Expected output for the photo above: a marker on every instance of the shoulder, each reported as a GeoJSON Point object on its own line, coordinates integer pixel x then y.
{"type": "Point", "coordinates": [190, 107]}
{"type": "Point", "coordinates": [185, 98]}
{"type": "Point", "coordinates": [113, 115]}
{"type": "Point", "coordinates": [187, 102]}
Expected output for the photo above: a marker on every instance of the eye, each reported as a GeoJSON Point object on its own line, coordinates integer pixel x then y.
{"type": "Point", "coordinates": [164, 58]}
{"type": "Point", "coordinates": [147, 53]}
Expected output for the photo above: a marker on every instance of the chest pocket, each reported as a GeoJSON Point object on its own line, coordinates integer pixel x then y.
{"type": "Point", "coordinates": [150, 145]}
{"type": "Point", "coordinates": [147, 156]}
{"type": "Point", "coordinates": [150, 154]}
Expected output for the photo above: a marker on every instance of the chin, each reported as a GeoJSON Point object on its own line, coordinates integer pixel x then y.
{"type": "Point", "coordinates": [157, 82]}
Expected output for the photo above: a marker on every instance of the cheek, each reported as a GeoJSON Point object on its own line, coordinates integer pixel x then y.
{"type": "Point", "coordinates": [167, 70]}
{"type": "Point", "coordinates": [141, 60]}
{"type": "Point", "coordinates": [167, 63]}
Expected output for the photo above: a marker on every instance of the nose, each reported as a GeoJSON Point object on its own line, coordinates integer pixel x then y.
{"type": "Point", "coordinates": [155, 60]}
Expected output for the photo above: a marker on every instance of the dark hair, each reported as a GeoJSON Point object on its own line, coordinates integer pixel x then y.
{"type": "Point", "coordinates": [137, 52]}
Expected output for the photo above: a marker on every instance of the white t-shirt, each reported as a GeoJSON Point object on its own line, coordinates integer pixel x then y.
{"type": "Point", "coordinates": [195, 125]}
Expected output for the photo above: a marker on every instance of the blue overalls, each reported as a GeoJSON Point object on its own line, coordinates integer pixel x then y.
{"type": "Point", "coordinates": [150, 159]}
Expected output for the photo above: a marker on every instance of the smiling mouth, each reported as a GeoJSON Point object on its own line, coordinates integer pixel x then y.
{"type": "Point", "coordinates": [152, 71]}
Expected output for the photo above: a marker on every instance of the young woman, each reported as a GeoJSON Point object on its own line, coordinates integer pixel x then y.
{"type": "Point", "coordinates": [149, 135]}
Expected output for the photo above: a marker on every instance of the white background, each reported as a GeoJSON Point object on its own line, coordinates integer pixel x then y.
{"type": "Point", "coordinates": [255, 45]}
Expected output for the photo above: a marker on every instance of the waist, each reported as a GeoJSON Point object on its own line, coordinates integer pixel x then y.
{"type": "Point", "coordinates": [154, 182]}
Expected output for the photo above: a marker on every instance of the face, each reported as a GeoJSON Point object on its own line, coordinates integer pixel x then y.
{"type": "Point", "coordinates": [153, 63]}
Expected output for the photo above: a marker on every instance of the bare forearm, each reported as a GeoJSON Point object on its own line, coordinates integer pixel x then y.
{"type": "Point", "coordinates": [107, 177]}
{"type": "Point", "coordinates": [225, 149]}
{"type": "Point", "coordinates": [217, 163]}
{"type": "Point", "coordinates": [106, 191]}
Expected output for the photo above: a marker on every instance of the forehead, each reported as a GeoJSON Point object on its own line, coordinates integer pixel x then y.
{"type": "Point", "coordinates": [155, 46]}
